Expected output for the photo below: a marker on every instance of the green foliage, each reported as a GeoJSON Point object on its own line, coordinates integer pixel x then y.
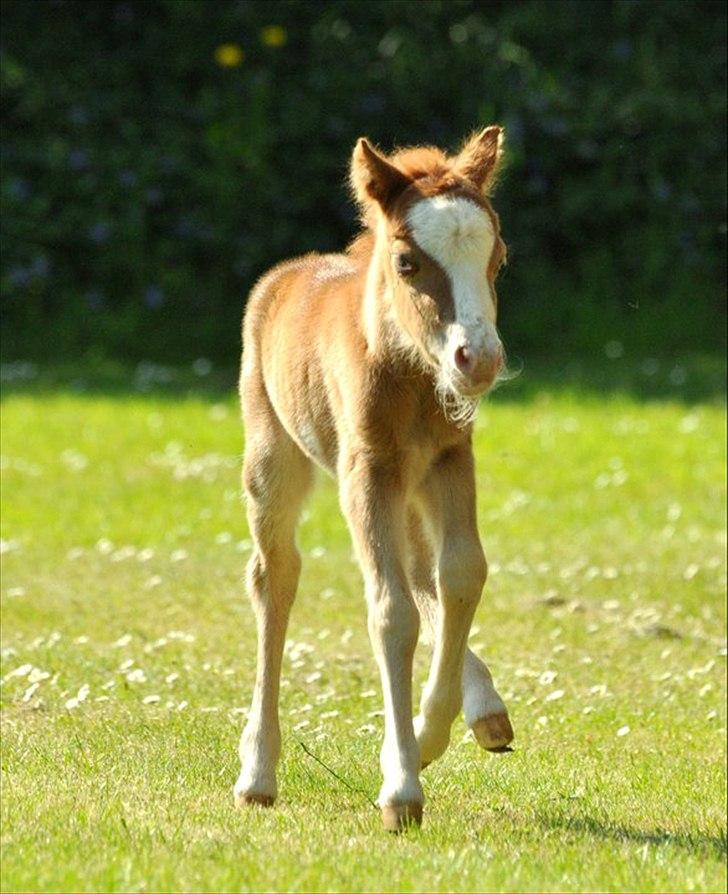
{"type": "Point", "coordinates": [160, 155]}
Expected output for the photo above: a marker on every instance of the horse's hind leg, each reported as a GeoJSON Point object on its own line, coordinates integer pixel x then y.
{"type": "Point", "coordinates": [276, 476]}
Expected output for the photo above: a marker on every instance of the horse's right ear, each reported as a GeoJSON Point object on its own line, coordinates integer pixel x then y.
{"type": "Point", "coordinates": [373, 178]}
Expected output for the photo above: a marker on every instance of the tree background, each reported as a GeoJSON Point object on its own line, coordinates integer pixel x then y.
{"type": "Point", "coordinates": [158, 156]}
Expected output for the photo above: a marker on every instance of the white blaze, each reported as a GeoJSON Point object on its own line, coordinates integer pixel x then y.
{"type": "Point", "coordinates": [459, 236]}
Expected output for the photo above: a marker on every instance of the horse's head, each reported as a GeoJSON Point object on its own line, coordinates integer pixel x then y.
{"type": "Point", "coordinates": [439, 247]}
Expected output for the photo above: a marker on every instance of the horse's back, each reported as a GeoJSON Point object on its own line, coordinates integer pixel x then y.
{"type": "Point", "coordinates": [297, 283]}
{"type": "Point", "coordinates": [300, 314]}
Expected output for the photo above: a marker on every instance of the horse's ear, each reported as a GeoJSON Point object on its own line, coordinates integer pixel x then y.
{"type": "Point", "coordinates": [373, 178]}
{"type": "Point", "coordinates": [480, 157]}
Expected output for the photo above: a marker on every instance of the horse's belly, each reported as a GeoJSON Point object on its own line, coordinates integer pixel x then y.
{"type": "Point", "coordinates": [301, 404]}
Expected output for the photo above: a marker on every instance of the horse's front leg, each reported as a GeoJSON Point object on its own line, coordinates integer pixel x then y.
{"type": "Point", "coordinates": [483, 707]}
{"type": "Point", "coordinates": [373, 502]}
{"type": "Point", "coordinates": [448, 497]}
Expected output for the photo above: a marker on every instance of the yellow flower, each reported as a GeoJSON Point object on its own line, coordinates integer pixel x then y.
{"type": "Point", "coordinates": [274, 36]}
{"type": "Point", "coordinates": [229, 55]}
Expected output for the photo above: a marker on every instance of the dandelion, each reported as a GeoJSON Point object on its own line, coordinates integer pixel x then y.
{"type": "Point", "coordinates": [150, 699]}
{"type": "Point", "coordinates": [21, 671]}
{"type": "Point", "coordinates": [80, 696]}
{"type": "Point", "coordinates": [36, 675]}
{"type": "Point", "coordinates": [179, 555]}
{"type": "Point", "coordinates": [30, 691]}
{"type": "Point", "coordinates": [274, 36]}
{"type": "Point", "coordinates": [367, 729]}
{"type": "Point", "coordinates": [623, 731]}
{"type": "Point", "coordinates": [229, 55]}
{"type": "Point", "coordinates": [136, 676]}
{"type": "Point", "coordinates": [555, 695]}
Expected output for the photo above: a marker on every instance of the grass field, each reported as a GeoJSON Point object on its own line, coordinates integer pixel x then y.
{"type": "Point", "coordinates": [128, 648]}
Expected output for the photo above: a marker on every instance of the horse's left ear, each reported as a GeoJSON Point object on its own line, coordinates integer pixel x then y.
{"type": "Point", "coordinates": [479, 159]}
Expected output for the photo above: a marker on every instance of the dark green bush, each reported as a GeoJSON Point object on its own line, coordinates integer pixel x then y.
{"type": "Point", "coordinates": [150, 174]}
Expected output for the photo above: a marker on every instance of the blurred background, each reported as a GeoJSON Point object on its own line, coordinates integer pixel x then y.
{"type": "Point", "coordinates": [158, 156]}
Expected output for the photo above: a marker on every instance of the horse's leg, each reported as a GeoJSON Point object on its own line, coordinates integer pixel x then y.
{"type": "Point", "coordinates": [448, 495]}
{"type": "Point", "coordinates": [276, 476]}
{"type": "Point", "coordinates": [483, 708]}
{"type": "Point", "coordinates": [373, 503]}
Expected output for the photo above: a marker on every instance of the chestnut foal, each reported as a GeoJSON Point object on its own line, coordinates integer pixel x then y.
{"type": "Point", "coordinates": [370, 364]}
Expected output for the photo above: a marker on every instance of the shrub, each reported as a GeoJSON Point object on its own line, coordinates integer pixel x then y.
{"type": "Point", "coordinates": [160, 155]}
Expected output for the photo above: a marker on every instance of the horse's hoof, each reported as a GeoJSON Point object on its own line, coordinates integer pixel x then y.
{"type": "Point", "coordinates": [493, 732]}
{"type": "Point", "coordinates": [400, 817]}
{"type": "Point", "coordinates": [252, 799]}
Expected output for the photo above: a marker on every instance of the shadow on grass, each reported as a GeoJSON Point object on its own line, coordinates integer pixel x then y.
{"type": "Point", "coordinates": [715, 845]}
{"type": "Point", "coordinates": [687, 380]}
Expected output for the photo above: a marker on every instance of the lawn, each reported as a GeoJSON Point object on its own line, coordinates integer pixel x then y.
{"type": "Point", "coordinates": [128, 648]}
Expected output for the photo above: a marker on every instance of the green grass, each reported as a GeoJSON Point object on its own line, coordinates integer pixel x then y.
{"type": "Point", "coordinates": [601, 503]}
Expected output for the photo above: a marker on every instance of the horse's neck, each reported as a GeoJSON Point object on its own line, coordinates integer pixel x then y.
{"type": "Point", "coordinates": [385, 338]}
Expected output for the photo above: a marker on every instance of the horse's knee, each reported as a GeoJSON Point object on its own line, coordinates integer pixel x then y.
{"type": "Point", "coordinates": [272, 576]}
{"type": "Point", "coordinates": [462, 572]}
{"type": "Point", "coordinates": [393, 616]}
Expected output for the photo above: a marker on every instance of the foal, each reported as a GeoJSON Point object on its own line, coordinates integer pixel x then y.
{"type": "Point", "coordinates": [370, 364]}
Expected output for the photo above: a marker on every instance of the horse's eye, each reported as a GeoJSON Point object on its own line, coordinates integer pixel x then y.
{"type": "Point", "coordinates": [405, 265]}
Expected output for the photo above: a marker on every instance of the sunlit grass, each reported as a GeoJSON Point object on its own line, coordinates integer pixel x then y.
{"type": "Point", "coordinates": [128, 652]}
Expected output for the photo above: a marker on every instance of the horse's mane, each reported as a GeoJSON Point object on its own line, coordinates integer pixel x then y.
{"type": "Point", "coordinates": [361, 247]}
{"type": "Point", "coordinates": [421, 162]}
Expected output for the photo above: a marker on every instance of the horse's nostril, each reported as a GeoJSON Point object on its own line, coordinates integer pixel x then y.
{"type": "Point", "coordinates": [464, 359]}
